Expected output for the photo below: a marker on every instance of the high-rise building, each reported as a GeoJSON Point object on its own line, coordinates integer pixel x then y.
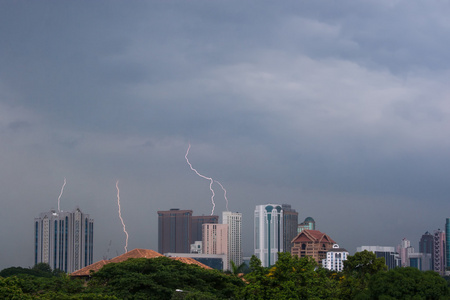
{"type": "Point", "coordinates": [405, 249]}
{"type": "Point", "coordinates": [215, 239]}
{"type": "Point", "coordinates": [335, 258]}
{"type": "Point", "coordinates": [447, 241]}
{"type": "Point", "coordinates": [391, 258]}
{"type": "Point", "coordinates": [268, 236]}
{"type": "Point", "coordinates": [438, 254]}
{"type": "Point", "coordinates": [312, 243]}
{"type": "Point", "coordinates": [290, 224]}
{"type": "Point", "coordinates": [421, 261]}
{"type": "Point", "coordinates": [174, 231]}
{"type": "Point", "coordinates": [234, 221]}
{"type": "Point", "coordinates": [309, 224]}
{"type": "Point", "coordinates": [426, 243]}
{"type": "Point", "coordinates": [197, 223]}
{"type": "Point", "coordinates": [64, 240]}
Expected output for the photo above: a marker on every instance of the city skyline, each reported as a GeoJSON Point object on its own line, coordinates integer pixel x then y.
{"type": "Point", "coordinates": [340, 110]}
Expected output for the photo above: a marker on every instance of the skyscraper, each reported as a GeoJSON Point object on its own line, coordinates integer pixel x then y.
{"type": "Point", "coordinates": [438, 254]}
{"type": "Point", "coordinates": [309, 224]}
{"type": "Point", "coordinates": [215, 239]}
{"type": "Point", "coordinates": [234, 221]}
{"type": "Point", "coordinates": [64, 240]}
{"type": "Point", "coordinates": [447, 241]}
{"type": "Point", "coordinates": [197, 223]}
{"type": "Point", "coordinates": [404, 249]}
{"type": "Point", "coordinates": [290, 224]}
{"type": "Point", "coordinates": [174, 231]}
{"type": "Point", "coordinates": [426, 243]}
{"type": "Point", "coordinates": [268, 236]}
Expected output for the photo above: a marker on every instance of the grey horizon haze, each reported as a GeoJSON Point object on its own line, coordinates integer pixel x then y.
{"type": "Point", "coordinates": [340, 109]}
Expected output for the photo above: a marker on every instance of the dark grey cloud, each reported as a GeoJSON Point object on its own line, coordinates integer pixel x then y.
{"type": "Point", "coordinates": [340, 110]}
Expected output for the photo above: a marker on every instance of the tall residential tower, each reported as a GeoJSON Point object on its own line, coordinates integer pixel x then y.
{"type": "Point", "coordinates": [64, 240]}
{"type": "Point", "coordinates": [234, 221]}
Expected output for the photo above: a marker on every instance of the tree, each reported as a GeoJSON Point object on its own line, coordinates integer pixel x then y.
{"type": "Point", "coordinates": [408, 283]}
{"type": "Point", "coordinates": [358, 269]}
{"type": "Point", "coordinates": [10, 288]}
{"type": "Point", "coordinates": [159, 278]}
{"type": "Point", "coordinates": [290, 278]}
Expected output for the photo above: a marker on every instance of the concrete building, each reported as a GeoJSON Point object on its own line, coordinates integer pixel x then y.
{"type": "Point", "coordinates": [309, 224]}
{"type": "Point", "coordinates": [335, 258]}
{"type": "Point", "coordinates": [404, 249]}
{"type": "Point", "coordinates": [234, 222]}
{"type": "Point", "coordinates": [64, 240]}
{"type": "Point", "coordinates": [197, 223]}
{"type": "Point", "coordinates": [438, 254]}
{"type": "Point", "coordinates": [268, 234]}
{"type": "Point", "coordinates": [174, 230]}
{"type": "Point", "coordinates": [426, 243]}
{"type": "Point", "coordinates": [290, 225]}
{"type": "Point", "coordinates": [447, 241]}
{"type": "Point", "coordinates": [215, 239]}
{"type": "Point", "coordinates": [391, 257]}
{"type": "Point", "coordinates": [421, 261]}
{"type": "Point", "coordinates": [312, 243]}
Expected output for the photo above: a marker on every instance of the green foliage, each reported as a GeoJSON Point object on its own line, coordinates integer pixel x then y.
{"type": "Point", "coordinates": [43, 267]}
{"type": "Point", "coordinates": [158, 278]}
{"type": "Point", "coordinates": [364, 278]}
{"type": "Point", "coordinates": [14, 271]}
{"type": "Point", "coordinates": [408, 283]}
{"type": "Point", "coordinates": [10, 289]}
{"type": "Point", "coordinates": [357, 273]}
{"type": "Point", "coordinates": [290, 278]}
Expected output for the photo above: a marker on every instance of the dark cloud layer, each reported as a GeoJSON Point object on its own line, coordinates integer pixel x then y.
{"type": "Point", "coordinates": [339, 109]}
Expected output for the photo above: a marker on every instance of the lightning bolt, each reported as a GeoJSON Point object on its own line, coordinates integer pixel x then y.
{"type": "Point", "coordinates": [211, 181]}
{"type": "Point", "coordinates": [224, 193]}
{"type": "Point", "coordinates": [120, 215]}
{"type": "Point", "coordinates": [60, 194]}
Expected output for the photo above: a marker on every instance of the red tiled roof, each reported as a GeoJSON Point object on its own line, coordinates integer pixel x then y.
{"type": "Point", "coordinates": [308, 235]}
{"type": "Point", "coordinates": [87, 270]}
{"type": "Point", "coordinates": [135, 253]}
{"type": "Point", "coordinates": [191, 261]}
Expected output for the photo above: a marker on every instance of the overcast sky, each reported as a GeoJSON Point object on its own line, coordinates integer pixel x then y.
{"type": "Point", "coordinates": [339, 108]}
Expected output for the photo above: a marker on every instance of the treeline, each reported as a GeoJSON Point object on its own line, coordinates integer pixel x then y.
{"type": "Point", "coordinates": [364, 277]}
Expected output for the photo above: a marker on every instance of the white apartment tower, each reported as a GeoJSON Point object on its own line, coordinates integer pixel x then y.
{"type": "Point", "coordinates": [335, 259]}
{"type": "Point", "coordinates": [64, 240]}
{"type": "Point", "coordinates": [234, 221]}
{"type": "Point", "coordinates": [268, 233]}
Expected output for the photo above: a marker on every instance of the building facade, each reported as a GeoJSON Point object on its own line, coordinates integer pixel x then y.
{"type": "Point", "coordinates": [235, 252]}
{"type": "Point", "coordinates": [309, 224]}
{"type": "Point", "coordinates": [197, 226]}
{"type": "Point", "coordinates": [268, 233]}
{"type": "Point", "coordinates": [312, 243]}
{"type": "Point", "coordinates": [335, 259]}
{"type": "Point", "coordinates": [438, 254]}
{"type": "Point", "coordinates": [64, 240]}
{"type": "Point", "coordinates": [421, 261]}
{"type": "Point", "coordinates": [426, 243]}
{"type": "Point", "coordinates": [404, 249]}
{"type": "Point", "coordinates": [447, 241]}
{"type": "Point", "coordinates": [290, 225]}
{"type": "Point", "coordinates": [215, 239]}
{"type": "Point", "coordinates": [391, 257]}
{"type": "Point", "coordinates": [174, 231]}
